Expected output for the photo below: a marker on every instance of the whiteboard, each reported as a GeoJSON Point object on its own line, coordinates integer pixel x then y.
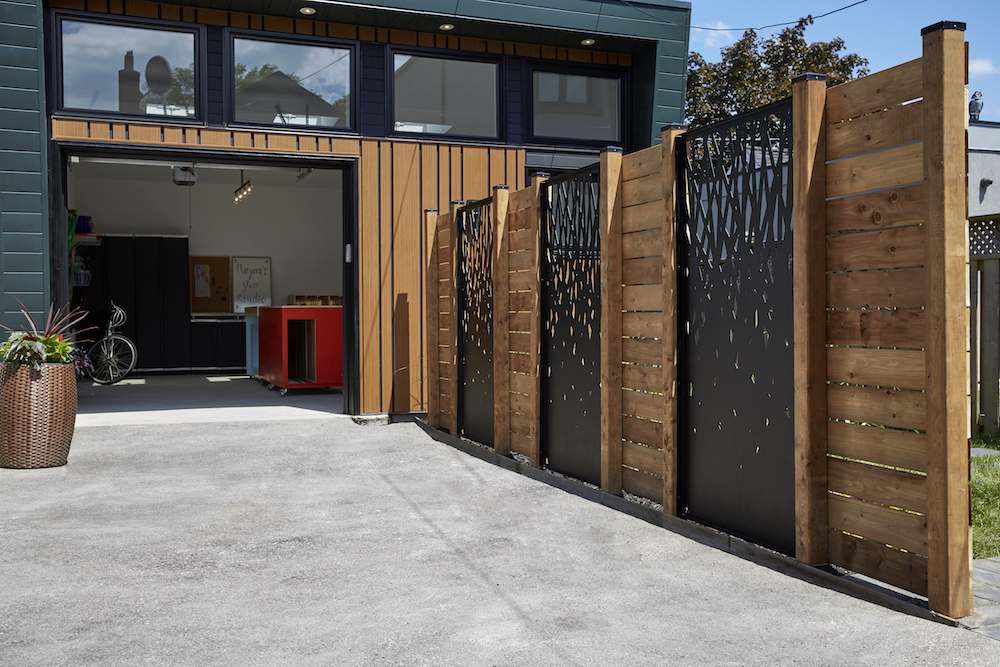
{"type": "Point", "coordinates": [251, 282]}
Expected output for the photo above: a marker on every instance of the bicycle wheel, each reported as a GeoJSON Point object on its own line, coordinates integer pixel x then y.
{"type": "Point", "coordinates": [111, 358]}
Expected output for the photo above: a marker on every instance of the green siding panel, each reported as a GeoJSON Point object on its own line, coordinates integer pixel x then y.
{"type": "Point", "coordinates": [23, 188]}
{"type": "Point", "coordinates": [23, 242]}
{"type": "Point", "coordinates": [23, 262]}
{"type": "Point", "coordinates": [20, 222]}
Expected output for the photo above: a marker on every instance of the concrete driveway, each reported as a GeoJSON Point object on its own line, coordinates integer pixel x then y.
{"type": "Point", "coordinates": [322, 542]}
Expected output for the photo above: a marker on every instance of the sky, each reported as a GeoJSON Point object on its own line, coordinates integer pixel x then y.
{"type": "Point", "coordinates": [886, 32]}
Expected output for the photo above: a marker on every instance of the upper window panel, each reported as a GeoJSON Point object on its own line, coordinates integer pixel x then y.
{"type": "Point", "coordinates": [292, 84]}
{"type": "Point", "coordinates": [128, 70]}
{"type": "Point", "coordinates": [445, 96]}
{"type": "Point", "coordinates": [573, 106]}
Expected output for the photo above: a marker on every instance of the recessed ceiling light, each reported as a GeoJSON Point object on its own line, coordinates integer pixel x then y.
{"type": "Point", "coordinates": [308, 11]}
{"type": "Point", "coordinates": [589, 42]}
{"type": "Point", "coordinates": [447, 26]}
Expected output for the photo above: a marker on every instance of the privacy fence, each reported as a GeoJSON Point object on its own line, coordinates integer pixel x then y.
{"type": "Point", "coordinates": [984, 342]}
{"type": "Point", "coordinates": [761, 325]}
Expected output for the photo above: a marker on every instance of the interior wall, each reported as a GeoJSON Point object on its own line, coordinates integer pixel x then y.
{"type": "Point", "coordinates": [297, 223]}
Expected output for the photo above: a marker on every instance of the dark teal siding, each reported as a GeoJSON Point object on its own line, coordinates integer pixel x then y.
{"type": "Point", "coordinates": [24, 237]}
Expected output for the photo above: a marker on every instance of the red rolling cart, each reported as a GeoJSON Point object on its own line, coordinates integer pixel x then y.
{"type": "Point", "coordinates": [302, 347]}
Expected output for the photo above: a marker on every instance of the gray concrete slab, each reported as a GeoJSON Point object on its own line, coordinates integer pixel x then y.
{"type": "Point", "coordinates": [321, 542]}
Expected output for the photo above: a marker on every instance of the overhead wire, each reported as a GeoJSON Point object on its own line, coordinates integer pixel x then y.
{"type": "Point", "coordinates": [763, 27]}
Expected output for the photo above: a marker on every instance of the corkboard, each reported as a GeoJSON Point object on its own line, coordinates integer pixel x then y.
{"type": "Point", "coordinates": [210, 285]}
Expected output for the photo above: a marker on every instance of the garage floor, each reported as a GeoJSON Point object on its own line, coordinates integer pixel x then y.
{"type": "Point", "coordinates": [190, 399]}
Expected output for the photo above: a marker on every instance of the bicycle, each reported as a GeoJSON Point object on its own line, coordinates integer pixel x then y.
{"type": "Point", "coordinates": [113, 356]}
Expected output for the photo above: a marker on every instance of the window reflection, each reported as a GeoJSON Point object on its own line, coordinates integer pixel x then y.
{"type": "Point", "coordinates": [129, 70]}
{"type": "Point", "coordinates": [443, 96]}
{"type": "Point", "coordinates": [291, 84]}
{"type": "Point", "coordinates": [573, 106]}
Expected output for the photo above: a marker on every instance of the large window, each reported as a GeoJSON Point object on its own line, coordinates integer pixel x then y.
{"type": "Point", "coordinates": [291, 84]}
{"type": "Point", "coordinates": [445, 96]}
{"type": "Point", "coordinates": [575, 106]}
{"type": "Point", "coordinates": [123, 69]}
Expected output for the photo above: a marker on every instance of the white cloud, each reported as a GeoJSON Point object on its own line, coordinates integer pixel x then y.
{"type": "Point", "coordinates": [714, 39]}
{"type": "Point", "coordinates": [982, 67]}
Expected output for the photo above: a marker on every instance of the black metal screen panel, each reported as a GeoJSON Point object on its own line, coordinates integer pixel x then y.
{"type": "Point", "coordinates": [475, 295]}
{"type": "Point", "coordinates": [984, 238]}
{"type": "Point", "coordinates": [737, 444]}
{"type": "Point", "coordinates": [571, 315]}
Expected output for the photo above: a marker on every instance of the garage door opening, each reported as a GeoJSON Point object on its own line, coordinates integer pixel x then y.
{"type": "Point", "coordinates": [223, 270]}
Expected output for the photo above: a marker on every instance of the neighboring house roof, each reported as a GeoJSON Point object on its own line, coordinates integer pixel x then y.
{"type": "Point", "coordinates": [277, 94]}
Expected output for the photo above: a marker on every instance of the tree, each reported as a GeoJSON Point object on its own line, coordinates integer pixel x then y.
{"type": "Point", "coordinates": [247, 77]}
{"type": "Point", "coordinates": [754, 72]}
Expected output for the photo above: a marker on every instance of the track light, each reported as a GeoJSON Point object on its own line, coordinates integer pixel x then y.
{"type": "Point", "coordinates": [242, 191]}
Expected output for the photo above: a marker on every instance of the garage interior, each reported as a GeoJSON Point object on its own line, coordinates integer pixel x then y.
{"type": "Point", "coordinates": [158, 238]}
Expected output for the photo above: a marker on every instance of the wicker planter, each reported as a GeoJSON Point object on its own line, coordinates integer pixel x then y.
{"type": "Point", "coordinates": [37, 415]}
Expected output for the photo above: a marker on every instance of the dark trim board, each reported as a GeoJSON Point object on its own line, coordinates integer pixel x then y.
{"type": "Point", "coordinates": [862, 589]}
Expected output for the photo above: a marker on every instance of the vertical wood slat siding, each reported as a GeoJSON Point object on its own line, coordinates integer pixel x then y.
{"type": "Point", "coordinates": [410, 178]}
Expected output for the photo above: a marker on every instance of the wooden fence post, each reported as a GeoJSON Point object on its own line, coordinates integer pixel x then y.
{"type": "Point", "coordinates": [455, 315]}
{"type": "Point", "coordinates": [611, 320]}
{"type": "Point", "coordinates": [672, 182]}
{"type": "Point", "coordinates": [432, 319]}
{"type": "Point", "coordinates": [535, 416]}
{"type": "Point", "coordinates": [809, 313]}
{"type": "Point", "coordinates": [949, 581]}
{"type": "Point", "coordinates": [501, 322]}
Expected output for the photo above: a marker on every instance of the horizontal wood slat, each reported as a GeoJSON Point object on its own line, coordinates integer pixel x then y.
{"type": "Point", "coordinates": [643, 378]}
{"type": "Point", "coordinates": [520, 444]}
{"type": "Point", "coordinates": [886, 446]}
{"type": "Point", "coordinates": [521, 261]}
{"type": "Point", "coordinates": [876, 328]}
{"type": "Point", "coordinates": [523, 239]}
{"type": "Point", "coordinates": [874, 171]}
{"type": "Point", "coordinates": [642, 325]}
{"type": "Point", "coordinates": [884, 486]}
{"type": "Point", "coordinates": [897, 288]}
{"type": "Point", "coordinates": [878, 131]}
{"type": "Point", "coordinates": [642, 297]}
{"type": "Point", "coordinates": [646, 459]}
{"type": "Point", "coordinates": [897, 207]}
{"type": "Point", "coordinates": [521, 281]}
{"type": "Point", "coordinates": [903, 369]}
{"type": "Point", "coordinates": [885, 407]}
{"type": "Point", "coordinates": [520, 342]}
{"type": "Point", "coordinates": [521, 403]}
{"type": "Point", "coordinates": [521, 301]}
{"type": "Point", "coordinates": [521, 202]}
{"type": "Point", "coordinates": [642, 163]}
{"type": "Point", "coordinates": [642, 485]}
{"type": "Point", "coordinates": [875, 92]}
{"type": "Point", "coordinates": [642, 271]}
{"type": "Point", "coordinates": [521, 363]}
{"type": "Point", "coordinates": [644, 431]}
{"type": "Point", "coordinates": [639, 404]}
{"type": "Point", "coordinates": [519, 424]}
{"type": "Point", "coordinates": [881, 524]}
{"type": "Point", "coordinates": [642, 351]}
{"type": "Point", "coordinates": [642, 190]}
{"type": "Point", "coordinates": [886, 249]}
{"type": "Point", "coordinates": [642, 217]}
{"type": "Point", "coordinates": [520, 321]}
{"type": "Point", "coordinates": [897, 568]}
{"type": "Point", "coordinates": [642, 244]}
{"type": "Point", "coordinates": [521, 384]}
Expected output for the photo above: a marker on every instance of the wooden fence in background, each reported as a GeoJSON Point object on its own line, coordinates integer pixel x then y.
{"type": "Point", "coordinates": [984, 321]}
{"type": "Point", "coordinates": [881, 327]}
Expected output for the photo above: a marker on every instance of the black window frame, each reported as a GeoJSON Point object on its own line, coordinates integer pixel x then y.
{"type": "Point", "coordinates": [200, 65]}
{"type": "Point", "coordinates": [229, 87]}
{"type": "Point", "coordinates": [446, 54]}
{"type": "Point", "coordinates": [622, 74]}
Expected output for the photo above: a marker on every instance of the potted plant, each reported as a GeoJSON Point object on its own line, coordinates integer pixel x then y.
{"type": "Point", "coordinates": [38, 391]}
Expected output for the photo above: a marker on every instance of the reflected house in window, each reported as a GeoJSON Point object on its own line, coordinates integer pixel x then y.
{"type": "Point", "coordinates": [445, 96]}
{"type": "Point", "coordinates": [278, 98]}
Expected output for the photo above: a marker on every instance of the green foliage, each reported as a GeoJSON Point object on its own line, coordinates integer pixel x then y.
{"type": "Point", "coordinates": [754, 72]}
{"type": "Point", "coordinates": [985, 506]}
{"type": "Point", "coordinates": [50, 344]}
{"type": "Point", "coordinates": [986, 440]}
{"type": "Point", "coordinates": [181, 93]}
